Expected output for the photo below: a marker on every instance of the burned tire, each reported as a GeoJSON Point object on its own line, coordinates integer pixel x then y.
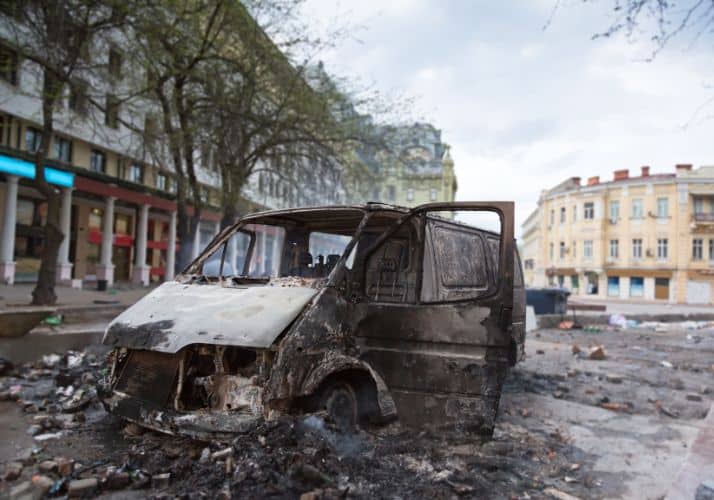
{"type": "Point", "coordinates": [339, 399]}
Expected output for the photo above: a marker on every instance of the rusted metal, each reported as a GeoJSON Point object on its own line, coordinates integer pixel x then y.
{"type": "Point", "coordinates": [420, 316]}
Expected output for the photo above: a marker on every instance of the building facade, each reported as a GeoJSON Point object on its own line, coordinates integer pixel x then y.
{"type": "Point", "coordinates": [643, 237]}
{"type": "Point", "coordinates": [414, 167]}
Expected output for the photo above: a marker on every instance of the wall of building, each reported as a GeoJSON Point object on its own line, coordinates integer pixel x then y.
{"type": "Point", "coordinates": [638, 271]}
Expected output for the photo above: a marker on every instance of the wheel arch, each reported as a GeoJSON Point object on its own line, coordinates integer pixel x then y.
{"type": "Point", "coordinates": [352, 370]}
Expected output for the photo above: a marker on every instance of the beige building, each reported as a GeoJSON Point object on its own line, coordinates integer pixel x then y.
{"type": "Point", "coordinates": [643, 237]}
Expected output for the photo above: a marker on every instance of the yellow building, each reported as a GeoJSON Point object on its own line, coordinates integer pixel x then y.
{"type": "Point", "coordinates": [645, 237]}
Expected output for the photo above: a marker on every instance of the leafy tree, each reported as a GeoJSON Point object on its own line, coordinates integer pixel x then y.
{"type": "Point", "coordinates": [55, 38]}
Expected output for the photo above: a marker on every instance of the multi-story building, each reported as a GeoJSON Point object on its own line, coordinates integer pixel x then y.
{"type": "Point", "coordinates": [649, 236]}
{"type": "Point", "coordinates": [119, 203]}
{"type": "Point", "coordinates": [412, 168]}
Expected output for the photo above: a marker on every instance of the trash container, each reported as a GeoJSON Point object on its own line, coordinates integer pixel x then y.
{"type": "Point", "coordinates": [547, 300]}
{"type": "Point", "coordinates": [102, 285]}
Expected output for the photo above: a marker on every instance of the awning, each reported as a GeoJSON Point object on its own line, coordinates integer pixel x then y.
{"type": "Point", "coordinates": [23, 168]}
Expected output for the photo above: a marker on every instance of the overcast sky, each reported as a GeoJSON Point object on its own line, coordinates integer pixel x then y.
{"type": "Point", "coordinates": [525, 108]}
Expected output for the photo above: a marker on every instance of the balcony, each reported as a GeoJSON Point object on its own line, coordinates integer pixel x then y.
{"type": "Point", "coordinates": [703, 217]}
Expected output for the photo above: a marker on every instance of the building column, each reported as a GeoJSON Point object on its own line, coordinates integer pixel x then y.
{"type": "Point", "coordinates": [624, 287]}
{"type": "Point", "coordinates": [141, 272]}
{"type": "Point", "coordinates": [105, 269]}
{"type": "Point", "coordinates": [64, 266]}
{"type": "Point", "coordinates": [7, 245]}
{"type": "Point", "coordinates": [171, 250]}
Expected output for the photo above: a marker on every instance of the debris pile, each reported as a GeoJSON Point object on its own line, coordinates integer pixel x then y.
{"type": "Point", "coordinates": [80, 451]}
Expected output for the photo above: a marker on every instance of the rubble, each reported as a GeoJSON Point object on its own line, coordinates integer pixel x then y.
{"type": "Point", "coordinates": [13, 470]}
{"type": "Point", "coordinates": [308, 456]}
{"type": "Point", "coordinates": [82, 487]}
{"type": "Point", "coordinates": [597, 353]}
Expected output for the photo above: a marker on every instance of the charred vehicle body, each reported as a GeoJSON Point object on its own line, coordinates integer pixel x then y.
{"type": "Point", "coordinates": [369, 312]}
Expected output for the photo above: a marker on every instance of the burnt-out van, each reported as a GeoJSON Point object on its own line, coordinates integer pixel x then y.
{"type": "Point", "coordinates": [369, 313]}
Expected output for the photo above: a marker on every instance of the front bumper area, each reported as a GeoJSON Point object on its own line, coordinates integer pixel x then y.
{"type": "Point", "coordinates": [201, 391]}
{"type": "Point", "coordinates": [199, 424]}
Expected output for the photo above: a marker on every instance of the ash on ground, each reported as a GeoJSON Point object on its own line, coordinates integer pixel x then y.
{"type": "Point", "coordinates": [62, 443]}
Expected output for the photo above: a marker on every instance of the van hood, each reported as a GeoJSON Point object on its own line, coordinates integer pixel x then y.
{"type": "Point", "coordinates": [175, 315]}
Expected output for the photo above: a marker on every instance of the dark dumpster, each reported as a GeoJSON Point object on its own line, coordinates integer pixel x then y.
{"type": "Point", "coordinates": [547, 300]}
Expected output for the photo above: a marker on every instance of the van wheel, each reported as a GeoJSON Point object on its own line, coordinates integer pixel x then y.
{"type": "Point", "coordinates": [339, 400]}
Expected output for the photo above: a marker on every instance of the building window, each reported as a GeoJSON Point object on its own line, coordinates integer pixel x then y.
{"type": "Point", "coordinates": [562, 215]}
{"type": "Point", "coordinates": [698, 206]}
{"type": "Point", "coordinates": [552, 218]}
{"type": "Point", "coordinates": [62, 149]}
{"type": "Point", "coordinates": [161, 182]}
{"type": "Point", "coordinates": [391, 193]}
{"type": "Point", "coordinates": [662, 208]}
{"type": "Point", "coordinates": [432, 194]}
{"type": "Point", "coordinates": [115, 59]}
{"type": "Point", "coordinates": [662, 248]}
{"type": "Point", "coordinates": [9, 64]}
{"type": "Point", "coordinates": [711, 250]}
{"type": "Point", "coordinates": [78, 98]}
{"type": "Point", "coordinates": [589, 210]}
{"type": "Point", "coordinates": [697, 249]}
{"type": "Point", "coordinates": [637, 248]}
{"type": "Point", "coordinates": [614, 210]}
{"type": "Point", "coordinates": [121, 168]}
{"type": "Point", "coordinates": [97, 161]}
{"type": "Point", "coordinates": [4, 126]}
{"type": "Point", "coordinates": [530, 264]}
{"type": "Point", "coordinates": [614, 249]}
{"type": "Point", "coordinates": [32, 139]}
{"type": "Point", "coordinates": [562, 250]}
{"type": "Point", "coordinates": [173, 185]}
{"type": "Point", "coordinates": [410, 194]}
{"type": "Point", "coordinates": [637, 210]}
{"type": "Point", "coordinates": [574, 250]}
{"type": "Point", "coordinates": [613, 286]}
{"type": "Point", "coordinates": [550, 252]}
{"type": "Point", "coordinates": [637, 286]}
{"type": "Point", "coordinates": [136, 173]}
{"type": "Point", "coordinates": [203, 193]}
{"type": "Point", "coordinates": [111, 113]}
{"type": "Point", "coordinates": [588, 249]}
{"type": "Point", "coordinates": [575, 213]}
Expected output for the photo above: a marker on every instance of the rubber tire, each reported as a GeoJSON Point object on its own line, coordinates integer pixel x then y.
{"type": "Point", "coordinates": [339, 399]}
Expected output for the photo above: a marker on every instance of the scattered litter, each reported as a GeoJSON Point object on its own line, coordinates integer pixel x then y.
{"type": "Point", "coordinates": [615, 406]}
{"type": "Point", "coordinates": [576, 349]}
{"type": "Point", "coordinates": [566, 325]}
{"type": "Point", "coordinates": [597, 353]}
{"type": "Point", "coordinates": [666, 364]}
{"type": "Point", "coordinates": [54, 320]}
{"type": "Point", "coordinates": [559, 495]}
{"type": "Point", "coordinates": [592, 329]}
{"type": "Point", "coordinates": [617, 320]}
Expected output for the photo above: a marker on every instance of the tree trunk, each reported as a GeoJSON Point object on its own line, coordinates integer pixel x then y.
{"type": "Point", "coordinates": [44, 292]}
{"type": "Point", "coordinates": [186, 227]}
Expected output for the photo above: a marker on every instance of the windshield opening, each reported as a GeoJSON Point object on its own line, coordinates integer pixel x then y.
{"type": "Point", "coordinates": [309, 250]}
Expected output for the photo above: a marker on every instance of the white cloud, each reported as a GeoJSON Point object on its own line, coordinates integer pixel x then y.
{"type": "Point", "coordinates": [525, 108]}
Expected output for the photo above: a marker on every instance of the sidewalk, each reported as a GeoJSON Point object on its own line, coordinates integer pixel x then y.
{"type": "Point", "coordinates": [20, 295]}
{"type": "Point", "coordinates": [615, 306]}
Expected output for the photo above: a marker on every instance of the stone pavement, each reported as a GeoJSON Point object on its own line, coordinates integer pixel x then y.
{"type": "Point", "coordinates": [20, 295]}
{"type": "Point", "coordinates": [640, 307]}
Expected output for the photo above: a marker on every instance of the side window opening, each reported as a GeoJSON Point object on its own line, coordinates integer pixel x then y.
{"type": "Point", "coordinates": [390, 274]}
{"type": "Point", "coordinates": [325, 250]}
{"type": "Point", "coordinates": [460, 263]}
